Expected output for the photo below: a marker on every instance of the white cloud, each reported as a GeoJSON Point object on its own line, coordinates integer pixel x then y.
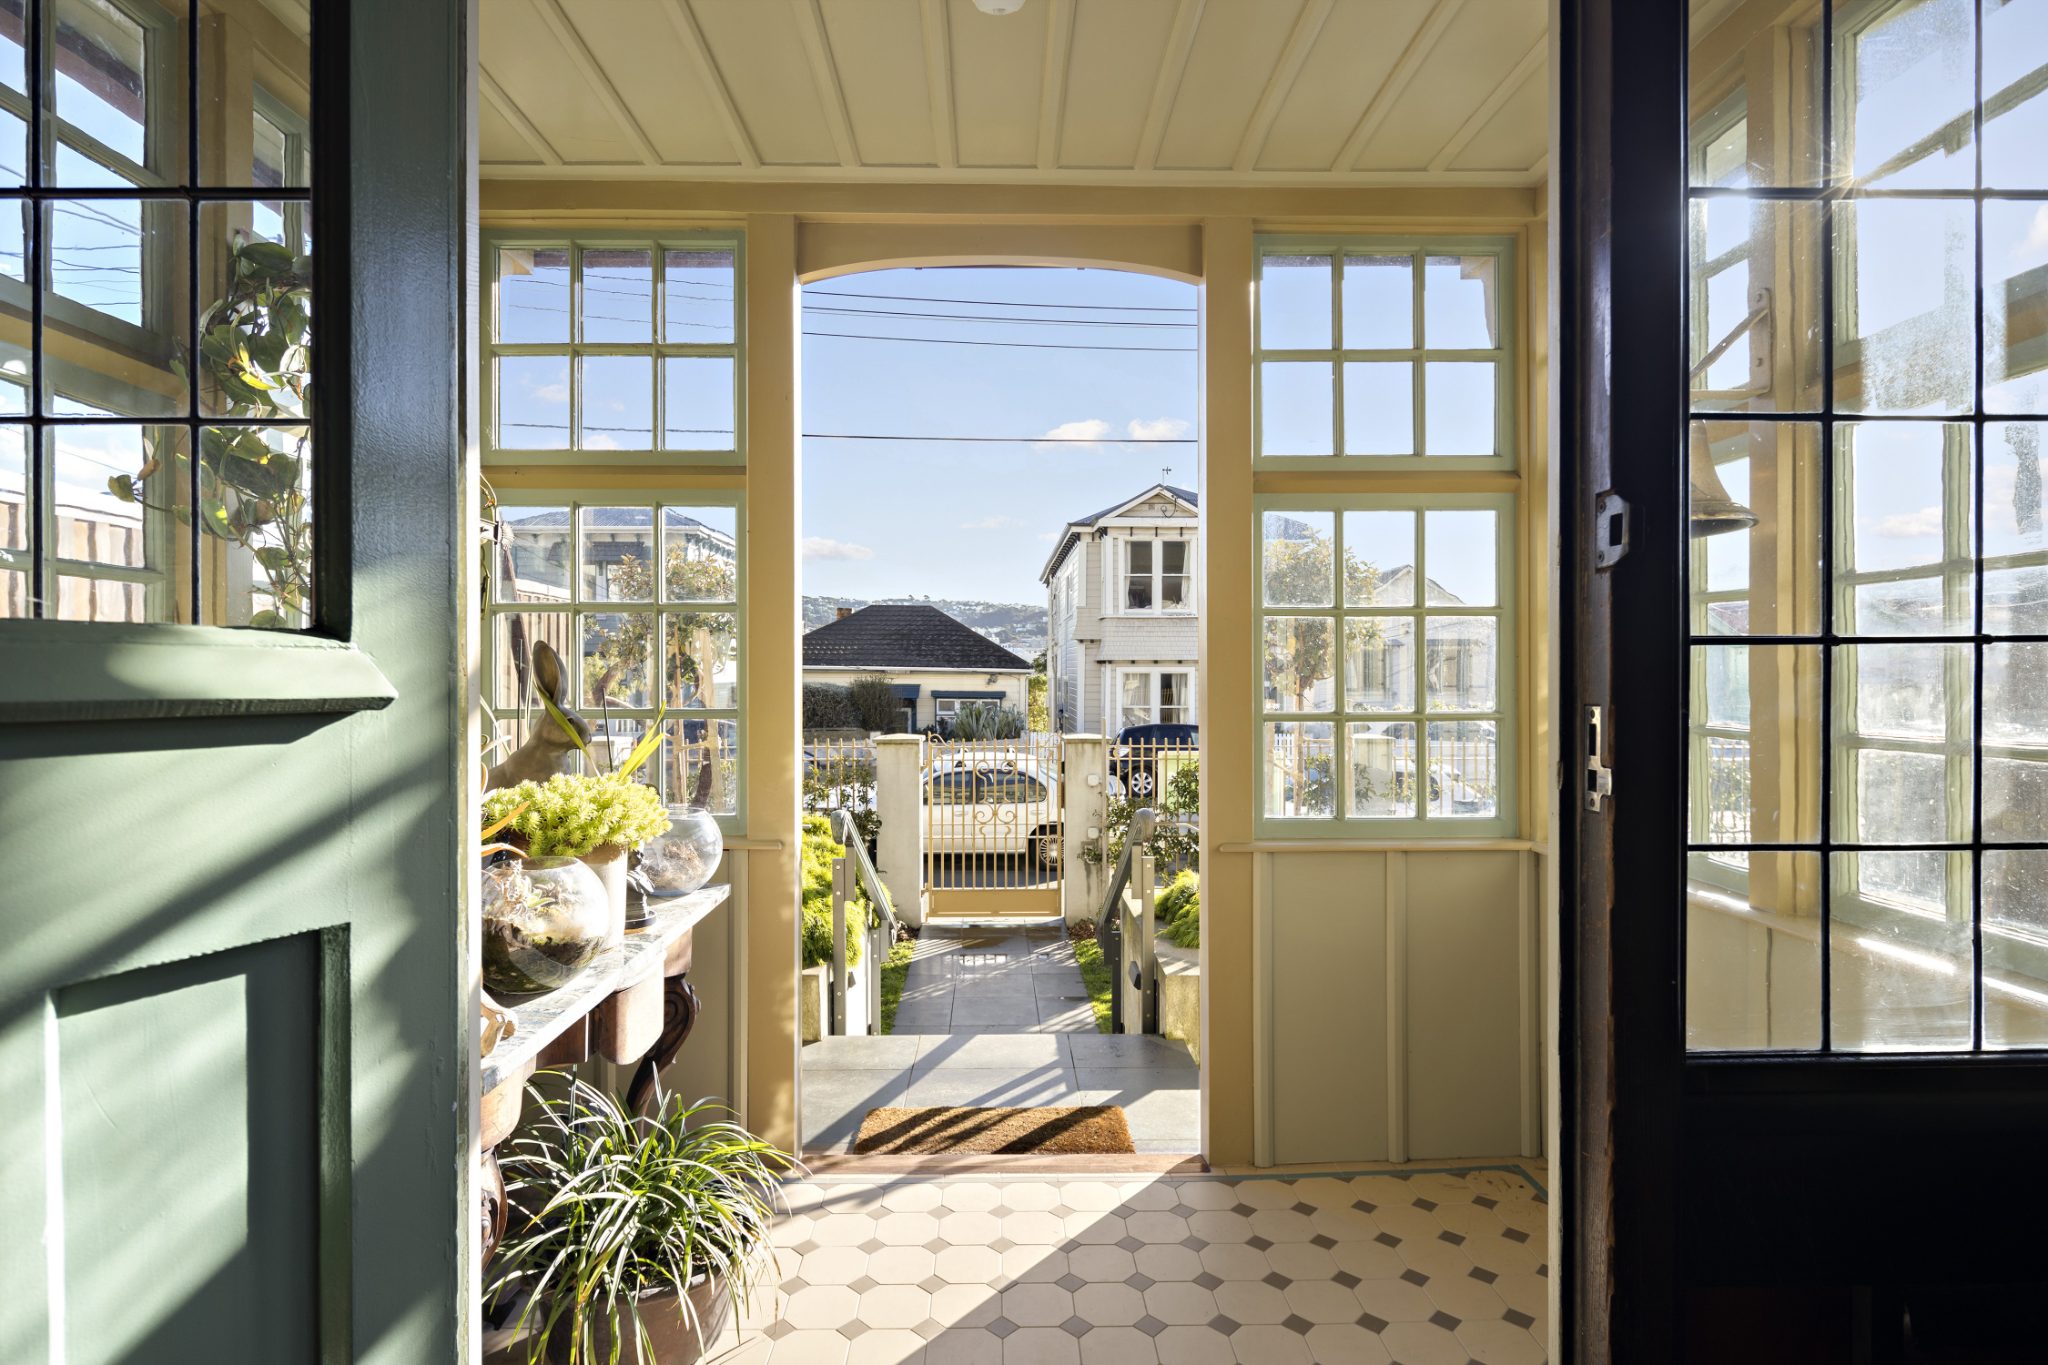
{"type": "Point", "coordinates": [822, 547]}
{"type": "Point", "coordinates": [599, 441]}
{"type": "Point", "coordinates": [995, 523]}
{"type": "Point", "coordinates": [1158, 428]}
{"type": "Point", "coordinates": [1911, 525]}
{"type": "Point", "coordinates": [1087, 429]}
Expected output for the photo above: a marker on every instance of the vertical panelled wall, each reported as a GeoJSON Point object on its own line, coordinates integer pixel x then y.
{"type": "Point", "coordinates": [1374, 998]}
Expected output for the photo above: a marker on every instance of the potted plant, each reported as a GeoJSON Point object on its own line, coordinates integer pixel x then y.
{"type": "Point", "coordinates": [629, 1237]}
{"type": "Point", "coordinates": [599, 819]}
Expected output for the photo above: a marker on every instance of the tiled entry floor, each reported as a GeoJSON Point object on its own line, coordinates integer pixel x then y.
{"type": "Point", "coordinates": [999, 1018]}
{"type": "Point", "coordinates": [1423, 1268]}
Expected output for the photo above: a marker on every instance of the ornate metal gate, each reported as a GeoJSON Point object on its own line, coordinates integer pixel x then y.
{"type": "Point", "coordinates": [993, 841]}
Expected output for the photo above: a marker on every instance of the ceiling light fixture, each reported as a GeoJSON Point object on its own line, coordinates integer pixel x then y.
{"type": "Point", "coordinates": [999, 6]}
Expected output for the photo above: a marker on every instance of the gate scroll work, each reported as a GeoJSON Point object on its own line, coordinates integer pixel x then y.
{"type": "Point", "coordinates": [994, 843]}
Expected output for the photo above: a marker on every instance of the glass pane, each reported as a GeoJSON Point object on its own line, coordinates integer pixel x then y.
{"type": "Point", "coordinates": [618, 295]}
{"type": "Point", "coordinates": [1463, 771]}
{"type": "Point", "coordinates": [1727, 44]}
{"type": "Point", "coordinates": [617, 553]}
{"type": "Point", "coordinates": [2015, 306]}
{"type": "Point", "coordinates": [617, 408]}
{"type": "Point", "coordinates": [1458, 408]}
{"type": "Point", "coordinates": [256, 488]}
{"type": "Point", "coordinates": [2015, 101]}
{"type": "Point", "coordinates": [1459, 308]}
{"type": "Point", "coordinates": [107, 256]}
{"type": "Point", "coordinates": [1900, 967]}
{"type": "Point", "coordinates": [1300, 664]}
{"type": "Point", "coordinates": [103, 599]}
{"type": "Point", "coordinates": [618, 656]}
{"type": "Point", "coordinates": [274, 95]}
{"type": "Point", "coordinates": [2015, 741]}
{"type": "Point", "coordinates": [1908, 82]}
{"type": "Point", "coordinates": [1902, 768]}
{"type": "Point", "coordinates": [14, 518]}
{"type": "Point", "coordinates": [2015, 594]}
{"type": "Point", "coordinates": [700, 555]}
{"type": "Point", "coordinates": [13, 63]}
{"type": "Point", "coordinates": [1904, 509]}
{"type": "Point", "coordinates": [533, 294]}
{"type": "Point", "coordinates": [1296, 559]}
{"type": "Point", "coordinates": [1904, 274]}
{"type": "Point", "coordinates": [531, 556]}
{"type": "Point", "coordinates": [1752, 952]}
{"type": "Point", "coordinates": [1379, 664]}
{"type": "Point", "coordinates": [1296, 406]}
{"type": "Point", "coordinates": [697, 296]}
{"type": "Point", "coordinates": [700, 663]}
{"type": "Point", "coordinates": [699, 764]}
{"type": "Point", "coordinates": [13, 594]}
{"type": "Point", "coordinates": [1765, 580]}
{"type": "Point", "coordinates": [1754, 302]}
{"type": "Point", "coordinates": [118, 495]}
{"type": "Point", "coordinates": [1459, 554]}
{"type": "Point", "coordinates": [256, 356]}
{"type": "Point", "coordinates": [1459, 654]}
{"type": "Point", "coordinates": [1294, 303]}
{"type": "Point", "coordinates": [513, 638]}
{"type": "Point", "coordinates": [1379, 408]}
{"type": "Point", "coordinates": [2015, 930]}
{"type": "Point", "coordinates": [121, 110]}
{"type": "Point", "coordinates": [1301, 762]}
{"type": "Point", "coordinates": [698, 403]}
{"type": "Point", "coordinates": [1756, 744]}
{"type": "Point", "coordinates": [13, 136]}
{"type": "Point", "coordinates": [1379, 559]}
{"type": "Point", "coordinates": [1379, 303]}
{"type": "Point", "coordinates": [1382, 761]}
{"type": "Point", "coordinates": [533, 402]}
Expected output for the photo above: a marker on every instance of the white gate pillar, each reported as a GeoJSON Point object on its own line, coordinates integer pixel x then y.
{"type": "Point", "coordinates": [899, 848]}
{"type": "Point", "coordinates": [1086, 800]}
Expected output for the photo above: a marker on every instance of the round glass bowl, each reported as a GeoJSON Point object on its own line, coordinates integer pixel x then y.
{"type": "Point", "coordinates": [544, 920]}
{"type": "Point", "coordinates": [684, 859]}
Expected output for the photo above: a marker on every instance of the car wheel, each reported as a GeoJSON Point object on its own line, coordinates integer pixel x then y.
{"type": "Point", "coordinates": [1045, 847]}
{"type": "Point", "coordinates": [1141, 783]}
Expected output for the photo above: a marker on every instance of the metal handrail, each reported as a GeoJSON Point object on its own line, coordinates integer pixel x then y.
{"type": "Point", "coordinates": [856, 867]}
{"type": "Point", "coordinates": [1144, 825]}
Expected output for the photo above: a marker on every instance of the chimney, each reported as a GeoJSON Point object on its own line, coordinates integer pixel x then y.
{"type": "Point", "coordinates": [844, 612]}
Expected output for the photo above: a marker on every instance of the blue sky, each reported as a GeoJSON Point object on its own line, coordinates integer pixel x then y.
{"type": "Point", "coordinates": [952, 519]}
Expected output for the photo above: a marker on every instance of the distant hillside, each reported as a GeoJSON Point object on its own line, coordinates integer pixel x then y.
{"type": "Point", "coordinates": [1016, 626]}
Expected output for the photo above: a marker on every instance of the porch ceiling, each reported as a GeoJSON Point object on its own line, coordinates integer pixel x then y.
{"type": "Point", "coordinates": [1165, 92]}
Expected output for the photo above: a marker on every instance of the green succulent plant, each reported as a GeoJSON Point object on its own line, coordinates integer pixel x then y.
{"type": "Point", "coordinates": [571, 814]}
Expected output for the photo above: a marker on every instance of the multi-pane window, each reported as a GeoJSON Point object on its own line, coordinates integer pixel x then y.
{"type": "Point", "coordinates": [156, 453]}
{"type": "Point", "coordinates": [640, 599]}
{"type": "Point", "coordinates": [1384, 683]}
{"type": "Point", "coordinates": [614, 347]}
{"type": "Point", "coordinates": [1158, 575]}
{"type": "Point", "coordinates": [1868, 866]}
{"type": "Point", "coordinates": [1373, 350]}
{"type": "Point", "coordinates": [1154, 696]}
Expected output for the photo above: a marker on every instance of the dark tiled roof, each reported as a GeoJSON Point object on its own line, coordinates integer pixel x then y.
{"type": "Point", "coordinates": [904, 636]}
{"type": "Point", "coordinates": [1185, 495]}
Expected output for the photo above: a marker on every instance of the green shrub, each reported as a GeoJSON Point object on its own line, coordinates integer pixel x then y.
{"type": "Point", "coordinates": [829, 706]}
{"type": "Point", "coordinates": [986, 720]}
{"type": "Point", "coordinates": [819, 851]}
{"type": "Point", "coordinates": [874, 702]}
{"type": "Point", "coordinates": [1180, 910]}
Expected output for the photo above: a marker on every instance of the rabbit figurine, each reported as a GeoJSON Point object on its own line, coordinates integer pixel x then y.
{"type": "Point", "coordinates": [548, 748]}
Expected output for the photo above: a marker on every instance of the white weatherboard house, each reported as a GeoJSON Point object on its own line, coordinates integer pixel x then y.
{"type": "Point", "coordinates": [1122, 643]}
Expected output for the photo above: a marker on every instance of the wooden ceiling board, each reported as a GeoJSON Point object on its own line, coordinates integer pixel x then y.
{"type": "Point", "coordinates": [878, 48]}
{"type": "Point", "coordinates": [1116, 55]}
{"type": "Point", "coordinates": [654, 75]}
{"type": "Point", "coordinates": [998, 68]}
{"type": "Point", "coordinates": [526, 58]}
{"type": "Point", "coordinates": [1236, 50]}
{"type": "Point", "coordinates": [758, 49]}
{"type": "Point", "coordinates": [1479, 50]}
{"type": "Point", "coordinates": [499, 143]}
{"type": "Point", "coordinates": [1515, 138]}
{"type": "Point", "coordinates": [1357, 49]}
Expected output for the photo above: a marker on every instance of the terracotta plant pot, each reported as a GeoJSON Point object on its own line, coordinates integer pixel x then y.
{"type": "Point", "coordinates": [608, 861]}
{"type": "Point", "coordinates": [674, 1340]}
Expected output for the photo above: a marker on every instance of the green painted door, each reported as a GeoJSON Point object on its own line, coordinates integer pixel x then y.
{"type": "Point", "coordinates": [233, 978]}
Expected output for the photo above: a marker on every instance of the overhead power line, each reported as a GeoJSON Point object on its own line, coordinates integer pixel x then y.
{"type": "Point", "coordinates": [1021, 345]}
{"type": "Point", "coordinates": [1004, 303]}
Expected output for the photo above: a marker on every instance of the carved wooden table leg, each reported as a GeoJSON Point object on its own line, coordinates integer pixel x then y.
{"type": "Point", "coordinates": [491, 1203]}
{"type": "Point", "coordinates": [679, 1016]}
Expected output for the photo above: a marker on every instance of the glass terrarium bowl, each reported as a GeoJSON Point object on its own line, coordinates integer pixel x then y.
{"type": "Point", "coordinates": [682, 860]}
{"type": "Point", "coordinates": [544, 920]}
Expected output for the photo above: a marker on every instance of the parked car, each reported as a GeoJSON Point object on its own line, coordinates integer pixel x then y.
{"type": "Point", "coordinates": [1001, 807]}
{"type": "Point", "coordinates": [1143, 758]}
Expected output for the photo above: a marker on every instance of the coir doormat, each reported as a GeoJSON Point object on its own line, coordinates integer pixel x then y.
{"type": "Point", "coordinates": [1089, 1130]}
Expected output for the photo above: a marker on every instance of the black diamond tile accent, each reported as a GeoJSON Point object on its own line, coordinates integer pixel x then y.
{"type": "Point", "coordinates": [1131, 1244]}
{"type": "Point", "coordinates": [1001, 1245]}
{"type": "Point", "coordinates": [1415, 1277]}
{"type": "Point", "coordinates": [850, 1330]}
{"type": "Point", "coordinates": [1277, 1280]}
{"type": "Point", "coordinates": [863, 1285]}
{"type": "Point", "coordinates": [936, 1245]}
{"type": "Point", "coordinates": [1297, 1324]}
{"type": "Point", "coordinates": [931, 1284]}
{"type": "Point", "coordinates": [1076, 1327]}
{"type": "Point", "coordinates": [1544, 1271]}
{"type": "Point", "coordinates": [1243, 1210]}
{"type": "Point", "coordinates": [1183, 1211]}
{"type": "Point", "coordinates": [1149, 1325]}
{"type": "Point", "coordinates": [1304, 1209]}
{"type": "Point", "coordinates": [1070, 1282]}
{"type": "Point", "coordinates": [1208, 1281]}
{"type": "Point", "coordinates": [1456, 1239]}
{"type": "Point", "coordinates": [1484, 1201]}
{"type": "Point", "coordinates": [1519, 1318]}
{"type": "Point", "coordinates": [1259, 1244]}
{"type": "Point", "coordinates": [1346, 1279]}
{"type": "Point", "coordinates": [794, 1283]}
{"type": "Point", "coordinates": [1444, 1320]}
{"type": "Point", "coordinates": [1482, 1274]}
{"type": "Point", "coordinates": [1194, 1244]}
{"type": "Point", "coordinates": [1388, 1239]}
{"type": "Point", "coordinates": [1223, 1326]}
{"type": "Point", "coordinates": [1060, 1211]}
{"type": "Point", "coordinates": [1516, 1235]}
{"type": "Point", "coordinates": [1371, 1323]}
{"type": "Point", "coordinates": [1319, 1240]}
{"type": "Point", "coordinates": [873, 1245]}
{"type": "Point", "coordinates": [1426, 1205]}
{"type": "Point", "coordinates": [1001, 1211]}
{"type": "Point", "coordinates": [1365, 1206]}
{"type": "Point", "coordinates": [778, 1329]}
{"type": "Point", "coordinates": [1000, 1326]}
{"type": "Point", "coordinates": [929, 1328]}
{"type": "Point", "coordinates": [1140, 1281]}
{"type": "Point", "coordinates": [805, 1248]}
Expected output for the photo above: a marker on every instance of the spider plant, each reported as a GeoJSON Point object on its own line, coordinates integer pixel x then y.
{"type": "Point", "coordinates": [614, 1217]}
